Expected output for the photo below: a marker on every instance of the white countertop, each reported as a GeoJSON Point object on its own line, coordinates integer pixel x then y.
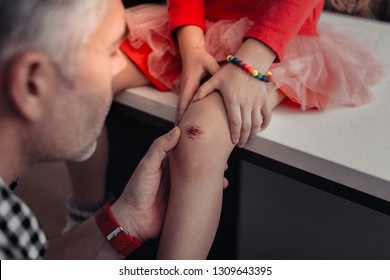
{"type": "Point", "coordinates": [347, 145]}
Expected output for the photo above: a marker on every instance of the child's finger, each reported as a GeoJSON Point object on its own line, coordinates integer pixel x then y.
{"type": "Point", "coordinates": [246, 125]}
{"type": "Point", "coordinates": [235, 122]}
{"type": "Point", "coordinates": [213, 67]}
{"type": "Point", "coordinates": [208, 87]}
{"type": "Point", "coordinates": [267, 113]}
{"type": "Point", "coordinates": [257, 120]}
{"type": "Point", "coordinates": [185, 98]}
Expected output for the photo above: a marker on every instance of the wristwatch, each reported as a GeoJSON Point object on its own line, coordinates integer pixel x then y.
{"type": "Point", "coordinates": [119, 238]}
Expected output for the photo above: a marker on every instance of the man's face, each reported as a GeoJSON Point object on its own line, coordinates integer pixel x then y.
{"type": "Point", "coordinates": [79, 110]}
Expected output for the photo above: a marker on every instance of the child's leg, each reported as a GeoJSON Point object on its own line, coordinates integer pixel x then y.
{"type": "Point", "coordinates": [197, 168]}
{"type": "Point", "coordinates": [87, 184]}
{"type": "Point", "coordinates": [88, 178]}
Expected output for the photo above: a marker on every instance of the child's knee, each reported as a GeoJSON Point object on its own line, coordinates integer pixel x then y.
{"type": "Point", "coordinates": [202, 146]}
{"type": "Point", "coordinates": [205, 139]}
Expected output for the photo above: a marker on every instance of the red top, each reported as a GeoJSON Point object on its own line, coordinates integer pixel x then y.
{"type": "Point", "coordinates": [276, 22]}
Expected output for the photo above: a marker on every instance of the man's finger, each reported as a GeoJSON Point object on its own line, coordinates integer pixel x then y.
{"type": "Point", "coordinates": [161, 147]}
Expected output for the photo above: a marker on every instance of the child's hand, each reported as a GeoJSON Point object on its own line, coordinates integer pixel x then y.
{"type": "Point", "coordinates": [245, 101]}
{"type": "Point", "coordinates": [197, 64]}
{"type": "Point", "coordinates": [244, 96]}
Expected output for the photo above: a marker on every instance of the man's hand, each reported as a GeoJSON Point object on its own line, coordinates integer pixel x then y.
{"type": "Point", "coordinates": [141, 207]}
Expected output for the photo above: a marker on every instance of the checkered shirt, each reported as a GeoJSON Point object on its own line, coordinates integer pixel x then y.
{"type": "Point", "coordinates": [21, 236]}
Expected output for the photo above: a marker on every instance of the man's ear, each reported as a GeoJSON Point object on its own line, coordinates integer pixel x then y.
{"type": "Point", "coordinates": [30, 76]}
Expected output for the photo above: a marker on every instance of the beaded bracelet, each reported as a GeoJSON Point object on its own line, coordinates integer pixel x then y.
{"type": "Point", "coordinates": [265, 78]}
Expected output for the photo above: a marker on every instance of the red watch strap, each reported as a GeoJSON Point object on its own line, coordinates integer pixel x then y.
{"type": "Point", "coordinates": [114, 233]}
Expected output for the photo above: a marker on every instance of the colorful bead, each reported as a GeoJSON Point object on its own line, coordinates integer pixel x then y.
{"type": "Point", "coordinates": [265, 78]}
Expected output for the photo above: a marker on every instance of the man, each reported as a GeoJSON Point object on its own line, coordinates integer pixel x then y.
{"type": "Point", "coordinates": [57, 61]}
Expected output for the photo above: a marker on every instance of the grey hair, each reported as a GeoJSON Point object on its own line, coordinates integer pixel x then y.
{"type": "Point", "coordinates": [59, 28]}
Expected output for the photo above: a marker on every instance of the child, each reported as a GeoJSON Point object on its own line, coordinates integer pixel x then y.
{"type": "Point", "coordinates": [221, 105]}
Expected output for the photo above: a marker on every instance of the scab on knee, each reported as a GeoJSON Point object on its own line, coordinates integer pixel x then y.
{"type": "Point", "coordinates": [193, 132]}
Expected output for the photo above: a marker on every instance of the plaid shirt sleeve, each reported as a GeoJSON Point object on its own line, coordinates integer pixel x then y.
{"type": "Point", "coordinates": [21, 235]}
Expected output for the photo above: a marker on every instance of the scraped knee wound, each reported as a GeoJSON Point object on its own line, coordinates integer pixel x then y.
{"type": "Point", "coordinates": [193, 132]}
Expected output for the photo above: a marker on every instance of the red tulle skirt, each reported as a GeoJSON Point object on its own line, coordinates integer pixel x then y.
{"type": "Point", "coordinates": [316, 72]}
